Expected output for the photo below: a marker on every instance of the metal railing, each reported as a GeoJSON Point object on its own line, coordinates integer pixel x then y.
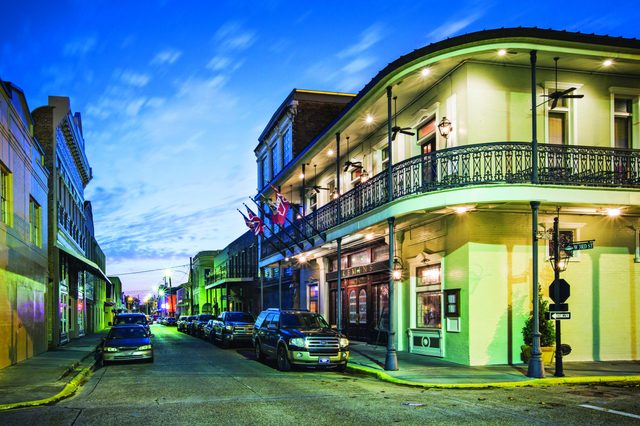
{"type": "Point", "coordinates": [471, 165]}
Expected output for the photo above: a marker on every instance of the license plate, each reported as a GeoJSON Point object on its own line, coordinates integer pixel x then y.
{"type": "Point", "coordinates": [324, 361]}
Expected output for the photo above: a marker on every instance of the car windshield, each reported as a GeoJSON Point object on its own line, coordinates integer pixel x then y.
{"type": "Point", "coordinates": [302, 321]}
{"type": "Point", "coordinates": [127, 333]}
{"type": "Point", "coordinates": [240, 317]}
{"type": "Point", "coordinates": [134, 319]}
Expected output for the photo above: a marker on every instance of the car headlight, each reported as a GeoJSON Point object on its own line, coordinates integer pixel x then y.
{"type": "Point", "coordinates": [297, 341]}
{"type": "Point", "coordinates": [144, 347]}
{"type": "Point", "coordinates": [228, 327]}
{"type": "Point", "coordinates": [344, 342]}
{"type": "Point", "coordinates": [110, 349]}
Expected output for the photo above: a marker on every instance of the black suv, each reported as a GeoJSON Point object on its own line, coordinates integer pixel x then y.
{"type": "Point", "coordinates": [195, 328]}
{"type": "Point", "coordinates": [296, 337]}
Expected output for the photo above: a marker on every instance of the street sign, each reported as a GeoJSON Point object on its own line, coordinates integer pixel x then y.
{"type": "Point", "coordinates": [578, 245]}
{"type": "Point", "coordinates": [562, 288]}
{"type": "Point", "coordinates": [551, 315]}
{"type": "Point", "coordinates": [562, 307]}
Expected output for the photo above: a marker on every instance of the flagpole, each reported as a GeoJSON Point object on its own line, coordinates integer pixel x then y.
{"type": "Point", "coordinates": [269, 241]}
{"type": "Point", "coordinates": [273, 233]}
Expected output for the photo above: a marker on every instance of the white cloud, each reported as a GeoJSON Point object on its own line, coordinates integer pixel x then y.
{"type": "Point", "coordinates": [167, 56]}
{"type": "Point", "coordinates": [368, 38]}
{"type": "Point", "coordinates": [230, 36]}
{"type": "Point", "coordinates": [357, 65]}
{"type": "Point", "coordinates": [453, 27]}
{"type": "Point", "coordinates": [79, 47]}
{"type": "Point", "coordinates": [135, 79]}
{"type": "Point", "coordinates": [218, 63]}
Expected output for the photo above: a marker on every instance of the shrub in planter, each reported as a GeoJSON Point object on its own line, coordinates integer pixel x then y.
{"type": "Point", "coordinates": [546, 328]}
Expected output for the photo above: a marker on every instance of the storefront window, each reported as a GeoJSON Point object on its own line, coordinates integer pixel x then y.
{"type": "Point", "coordinates": [360, 258]}
{"type": "Point", "coordinates": [313, 298]}
{"type": "Point", "coordinates": [429, 297]}
{"type": "Point", "coordinates": [352, 307]}
{"type": "Point", "coordinates": [362, 307]}
{"type": "Point", "coordinates": [380, 253]}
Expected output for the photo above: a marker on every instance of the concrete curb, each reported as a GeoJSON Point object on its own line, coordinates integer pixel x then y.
{"type": "Point", "coordinates": [68, 390]}
{"type": "Point", "coordinates": [524, 383]}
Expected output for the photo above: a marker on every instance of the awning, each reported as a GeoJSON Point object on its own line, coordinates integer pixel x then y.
{"type": "Point", "coordinates": [229, 281]}
{"type": "Point", "coordinates": [90, 265]}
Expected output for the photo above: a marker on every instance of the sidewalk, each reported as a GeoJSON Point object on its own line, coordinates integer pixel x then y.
{"type": "Point", "coordinates": [50, 376]}
{"type": "Point", "coordinates": [425, 371]}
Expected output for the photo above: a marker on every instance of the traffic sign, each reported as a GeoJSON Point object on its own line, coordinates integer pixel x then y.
{"type": "Point", "coordinates": [562, 288]}
{"type": "Point", "coordinates": [551, 315]}
{"type": "Point", "coordinates": [562, 307]}
{"type": "Point", "coordinates": [578, 245]}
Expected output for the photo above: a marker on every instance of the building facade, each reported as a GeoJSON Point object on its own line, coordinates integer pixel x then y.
{"type": "Point", "coordinates": [23, 231]}
{"type": "Point", "coordinates": [202, 266]}
{"type": "Point", "coordinates": [438, 173]}
{"type": "Point", "coordinates": [232, 285]}
{"type": "Point", "coordinates": [60, 132]}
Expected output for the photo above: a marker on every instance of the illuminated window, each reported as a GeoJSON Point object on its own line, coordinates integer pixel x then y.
{"type": "Point", "coordinates": [353, 306]}
{"type": "Point", "coordinates": [5, 195]}
{"type": "Point", "coordinates": [429, 297]}
{"type": "Point", "coordinates": [384, 158]}
{"type": "Point", "coordinates": [362, 306]}
{"type": "Point", "coordinates": [35, 223]}
{"type": "Point", "coordinates": [622, 122]}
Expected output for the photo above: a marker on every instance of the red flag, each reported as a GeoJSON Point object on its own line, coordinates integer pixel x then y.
{"type": "Point", "coordinates": [256, 223]}
{"type": "Point", "coordinates": [281, 208]}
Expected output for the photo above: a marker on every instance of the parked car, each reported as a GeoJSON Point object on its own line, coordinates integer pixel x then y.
{"type": "Point", "coordinates": [207, 330]}
{"type": "Point", "coordinates": [299, 338]}
{"type": "Point", "coordinates": [195, 327]}
{"type": "Point", "coordinates": [134, 318]}
{"type": "Point", "coordinates": [181, 322]}
{"type": "Point", "coordinates": [170, 321]}
{"type": "Point", "coordinates": [186, 324]}
{"type": "Point", "coordinates": [232, 327]}
{"type": "Point", "coordinates": [125, 343]}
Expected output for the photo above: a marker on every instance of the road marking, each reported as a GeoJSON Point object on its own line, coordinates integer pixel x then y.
{"type": "Point", "coordinates": [606, 410]}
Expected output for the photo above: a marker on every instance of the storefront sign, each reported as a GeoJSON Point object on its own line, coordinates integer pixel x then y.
{"type": "Point", "coordinates": [360, 270]}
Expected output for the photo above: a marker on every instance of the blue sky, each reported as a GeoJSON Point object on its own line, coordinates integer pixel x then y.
{"type": "Point", "coordinates": [174, 94]}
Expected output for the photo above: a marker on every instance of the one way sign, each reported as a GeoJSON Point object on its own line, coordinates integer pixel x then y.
{"type": "Point", "coordinates": [555, 315]}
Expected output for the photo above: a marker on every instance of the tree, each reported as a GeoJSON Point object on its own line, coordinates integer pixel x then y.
{"type": "Point", "coordinates": [547, 329]}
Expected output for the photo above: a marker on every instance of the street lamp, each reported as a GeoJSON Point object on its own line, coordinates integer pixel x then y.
{"type": "Point", "coordinates": [167, 274]}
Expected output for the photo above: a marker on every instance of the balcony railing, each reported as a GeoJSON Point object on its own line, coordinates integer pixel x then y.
{"type": "Point", "coordinates": [233, 272]}
{"type": "Point", "coordinates": [482, 164]}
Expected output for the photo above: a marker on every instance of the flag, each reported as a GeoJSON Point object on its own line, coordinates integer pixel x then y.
{"type": "Point", "coordinates": [281, 208]}
{"type": "Point", "coordinates": [256, 223]}
{"type": "Point", "coordinates": [253, 222]}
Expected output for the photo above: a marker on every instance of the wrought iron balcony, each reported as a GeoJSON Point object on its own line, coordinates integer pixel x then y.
{"type": "Point", "coordinates": [472, 165]}
{"type": "Point", "coordinates": [224, 272]}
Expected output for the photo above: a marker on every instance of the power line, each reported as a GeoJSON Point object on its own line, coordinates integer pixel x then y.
{"type": "Point", "coordinates": [150, 270]}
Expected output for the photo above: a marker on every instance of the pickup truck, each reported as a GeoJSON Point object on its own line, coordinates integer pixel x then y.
{"type": "Point", "coordinates": [232, 327]}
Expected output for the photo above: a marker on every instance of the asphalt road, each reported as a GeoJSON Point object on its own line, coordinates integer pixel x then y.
{"type": "Point", "coordinates": [193, 382]}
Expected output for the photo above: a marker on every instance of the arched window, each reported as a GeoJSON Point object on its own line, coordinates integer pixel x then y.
{"type": "Point", "coordinates": [353, 312]}
{"type": "Point", "coordinates": [362, 306]}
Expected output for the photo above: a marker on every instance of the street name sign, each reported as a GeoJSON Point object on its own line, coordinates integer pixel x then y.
{"type": "Point", "coordinates": [558, 315]}
{"type": "Point", "coordinates": [579, 245]}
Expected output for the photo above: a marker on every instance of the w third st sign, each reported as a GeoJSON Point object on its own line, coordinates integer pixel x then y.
{"type": "Point", "coordinates": [559, 290]}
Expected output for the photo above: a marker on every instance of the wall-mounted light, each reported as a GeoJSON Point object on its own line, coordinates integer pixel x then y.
{"type": "Point", "coordinates": [607, 62]}
{"type": "Point", "coordinates": [302, 259]}
{"type": "Point", "coordinates": [398, 267]}
{"type": "Point", "coordinates": [425, 72]}
{"type": "Point", "coordinates": [330, 153]}
{"type": "Point", "coordinates": [613, 212]}
{"type": "Point", "coordinates": [445, 127]}
{"type": "Point", "coordinates": [369, 119]}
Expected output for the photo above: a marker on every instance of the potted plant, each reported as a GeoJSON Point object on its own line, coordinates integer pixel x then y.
{"type": "Point", "coordinates": [547, 333]}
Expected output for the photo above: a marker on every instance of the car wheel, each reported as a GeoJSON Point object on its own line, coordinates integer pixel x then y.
{"type": "Point", "coordinates": [341, 368]}
{"type": "Point", "coordinates": [283, 360]}
{"type": "Point", "coordinates": [258, 351]}
{"type": "Point", "coordinates": [225, 342]}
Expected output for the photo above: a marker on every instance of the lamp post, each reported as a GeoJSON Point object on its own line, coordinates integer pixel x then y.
{"type": "Point", "coordinates": [167, 274]}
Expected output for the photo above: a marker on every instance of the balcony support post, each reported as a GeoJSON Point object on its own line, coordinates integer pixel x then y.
{"type": "Point", "coordinates": [534, 114]}
{"type": "Point", "coordinates": [389, 141]}
{"type": "Point", "coordinates": [391, 359]}
{"type": "Point", "coordinates": [339, 290]}
{"type": "Point", "coordinates": [338, 188]}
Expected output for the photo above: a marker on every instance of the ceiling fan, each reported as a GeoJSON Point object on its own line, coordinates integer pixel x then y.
{"type": "Point", "coordinates": [357, 165]}
{"type": "Point", "coordinates": [554, 97]}
{"type": "Point", "coordinates": [317, 188]}
{"type": "Point", "coordinates": [397, 129]}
